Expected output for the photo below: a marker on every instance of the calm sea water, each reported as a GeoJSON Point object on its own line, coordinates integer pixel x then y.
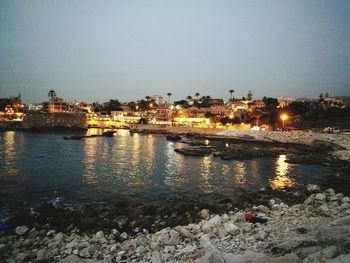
{"type": "Point", "coordinates": [138, 167]}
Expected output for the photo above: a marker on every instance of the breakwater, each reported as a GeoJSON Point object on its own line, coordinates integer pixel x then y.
{"type": "Point", "coordinates": [38, 121]}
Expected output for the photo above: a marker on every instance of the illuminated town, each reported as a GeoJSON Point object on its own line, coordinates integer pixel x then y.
{"type": "Point", "coordinates": [198, 112]}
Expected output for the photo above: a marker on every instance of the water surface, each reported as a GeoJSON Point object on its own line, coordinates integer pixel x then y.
{"type": "Point", "coordinates": [136, 167]}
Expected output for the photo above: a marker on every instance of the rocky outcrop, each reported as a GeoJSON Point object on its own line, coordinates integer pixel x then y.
{"type": "Point", "coordinates": [316, 230]}
{"type": "Point", "coordinates": [41, 121]}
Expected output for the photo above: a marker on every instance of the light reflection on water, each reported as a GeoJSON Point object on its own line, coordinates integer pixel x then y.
{"type": "Point", "coordinates": [8, 153]}
{"type": "Point", "coordinates": [135, 166]}
{"type": "Point", "coordinates": [282, 171]}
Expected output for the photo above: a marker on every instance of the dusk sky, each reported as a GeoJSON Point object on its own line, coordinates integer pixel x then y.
{"type": "Point", "coordinates": [97, 50]}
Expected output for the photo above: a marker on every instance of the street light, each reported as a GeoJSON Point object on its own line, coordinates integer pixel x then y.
{"type": "Point", "coordinates": [284, 117]}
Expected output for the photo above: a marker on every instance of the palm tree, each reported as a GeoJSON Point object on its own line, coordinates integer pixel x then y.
{"type": "Point", "coordinates": [231, 91]}
{"type": "Point", "coordinates": [189, 97]}
{"type": "Point", "coordinates": [197, 95]}
{"type": "Point", "coordinates": [257, 114]}
{"type": "Point", "coordinates": [169, 94]}
{"type": "Point", "coordinates": [52, 94]}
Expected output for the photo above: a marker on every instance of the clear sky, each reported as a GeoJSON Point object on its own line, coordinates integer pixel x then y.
{"type": "Point", "coordinates": [96, 50]}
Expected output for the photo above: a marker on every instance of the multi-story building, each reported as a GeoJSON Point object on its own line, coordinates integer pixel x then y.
{"type": "Point", "coordinates": [256, 104]}
{"type": "Point", "coordinates": [55, 105]}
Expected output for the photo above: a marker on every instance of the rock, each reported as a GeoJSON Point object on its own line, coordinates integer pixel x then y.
{"type": "Point", "coordinates": [42, 255]}
{"type": "Point", "coordinates": [340, 259]}
{"type": "Point", "coordinates": [345, 200]}
{"type": "Point", "coordinates": [332, 198]}
{"type": "Point", "coordinates": [51, 232]}
{"type": "Point", "coordinates": [211, 223]}
{"type": "Point", "coordinates": [263, 209]}
{"type": "Point", "coordinates": [21, 230]}
{"type": "Point", "coordinates": [324, 208]}
{"type": "Point", "coordinates": [169, 249]}
{"type": "Point", "coordinates": [186, 250]}
{"type": "Point", "coordinates": [203, 214]}
{"type": "Point", "coordinates": [226, 229]}
{"type": "Point", "coordinates": [59, 237]}
{"type": "Point", "coordinates": [113, 248]}
{"type": "Point", "coordinates": [335, 235]}
{"type": "Point", "coordinates": [184, 231]}
{"type": "Point", "coordinates": [249, 256]}
{"type": "Point", "coordinates": [320, 197]}
{"type": "Point", "coordinates": [204, 241]}
{"type": "Point", "coordinates": [71, 259]}
{"type": "Point", "coordinates": [313, 188]}
{"type": "Point", "coordinates": [99, 235]}
{"type": "Point", "coordinates": [343, 221]}
{"type": "Point", "coordinates": [297, 241]}
{"type": "Point", "coordinates": [216, 258]}
{"type": "Point", "coordinates": [330, 191]}
{"type": "Point", "coordinates": [85, 253]}
{"type": "Point", "coordinates": [345, 206]}
{"type": "Point", "coordinates": [322, 255]}
{"type": "Point", "coordinates": [124, 235]}
{"type": "Point", "coordinates": [272, 202]}
{"type": "Point", "coordinates": [309, 200]}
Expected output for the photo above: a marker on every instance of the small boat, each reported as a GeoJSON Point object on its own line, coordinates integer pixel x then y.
{"type": "Point", "coordinates": [108, 133]}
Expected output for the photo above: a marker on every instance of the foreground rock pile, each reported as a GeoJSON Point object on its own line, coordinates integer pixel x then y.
{"type": "Point", "coordinates": [317, 230]}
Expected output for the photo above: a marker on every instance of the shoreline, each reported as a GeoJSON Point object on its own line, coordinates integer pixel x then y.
{"type": "Point", "coordinates": [206, 229]}
{"type": "Point", "coordinates": [340, 142]}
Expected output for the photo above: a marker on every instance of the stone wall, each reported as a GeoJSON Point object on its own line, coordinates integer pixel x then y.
{"type": "Point", "coordinates": [54, 121]}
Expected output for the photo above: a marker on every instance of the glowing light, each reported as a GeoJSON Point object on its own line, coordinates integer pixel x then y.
{"type": "Point", "coordinates": [206, 142]}
{"type": "Point", "coordinates": [231, 116]}
{"type": "Point", "coordinates": [282, 180]}
{"type": "Point", "coordinates": [226, 145]}
{"type": "Point", "coordinates": [284, 117]}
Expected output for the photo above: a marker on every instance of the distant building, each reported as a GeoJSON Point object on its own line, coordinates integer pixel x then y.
{"type": "Point", "coordinates": [158, 99]}
{"type": "Point", "coordinates": [220, 110]}
{"type": "Point", "coordinates": [163, 114]}
{"type": "Point", "coordinates": [211, 101]}
{"type": "Point", "coordinates": [237, 105]}
{"type": "Point", "coordinates": [334, 102]}
{"type": "Point", "coordinates": [284, 102]}
{"type": "Point", "coordinates": [55, 105]}
{"type": "Point", "coordinates": [258, 104]}
{"type": "Point", "coordinates": [12, 104]}
{"type": "Point", "coordinates": [35, 107]}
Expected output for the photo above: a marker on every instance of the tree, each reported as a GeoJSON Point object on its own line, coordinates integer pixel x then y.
{"type": "Point", "coordinates": [197, 95]}
{"type": "Point", "coordinates": [183, 103]}
{"type": "Point", "coordinates": [143, 105]}
{"type": "Point", "coordinates": [321, 96]}
{"type": "Point", "coordinates": [231, 92]}
{"type": "Point", "coordinates": [169, 95]}
{"type": "Point", "coordinates": [327, 95]}
{"type": "Point", "coordinates": [112, 105]}
{"type": "Point", "coordinates": [270, 103]}
{"type": "Point", "coordinates": [257, 114]}
{"type": "Point", "coordinates": [52, 94]}
{"type": "Point", "coordinates": [189, 98]}
{"type": "Point", "coordinates": [147, 98]}
{"type": "Point", "coordinates": [249, 95]}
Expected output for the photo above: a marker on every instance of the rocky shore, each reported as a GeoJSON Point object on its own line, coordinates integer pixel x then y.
{"type": "Point", "coordinates": [310, 226]}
